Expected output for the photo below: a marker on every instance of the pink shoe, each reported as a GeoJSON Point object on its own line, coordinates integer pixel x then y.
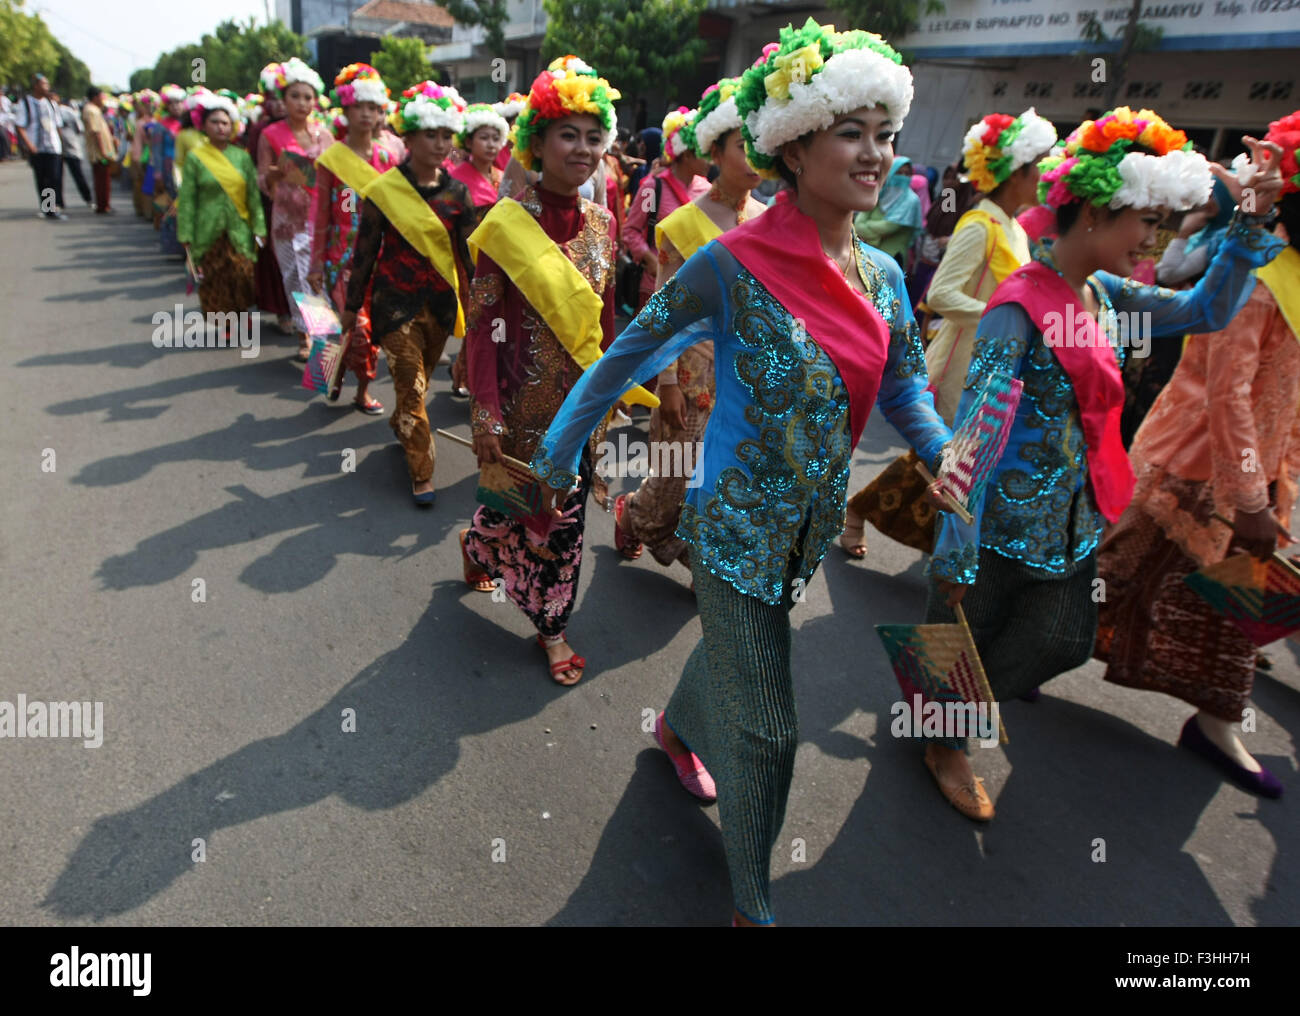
{"type": "Point", "coordinates": [690, 770]}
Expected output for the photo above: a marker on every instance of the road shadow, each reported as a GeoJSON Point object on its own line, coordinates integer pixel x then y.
{"type": "Point", "coordinates": [366, 513]}
{"type": "Point", "coordinates": [659, 860]}
{"type": "Point", "coordinates": [412, 710]}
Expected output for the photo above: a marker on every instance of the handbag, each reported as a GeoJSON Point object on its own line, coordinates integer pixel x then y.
{"type": "Point", "coordinates": [895, 503]}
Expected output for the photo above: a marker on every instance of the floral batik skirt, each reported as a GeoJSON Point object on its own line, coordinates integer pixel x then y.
{"type": "Point", "coordinates": [539, 575]}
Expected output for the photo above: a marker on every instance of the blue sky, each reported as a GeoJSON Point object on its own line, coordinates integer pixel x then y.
{"type": "Point", "coordinates": [114, 37]}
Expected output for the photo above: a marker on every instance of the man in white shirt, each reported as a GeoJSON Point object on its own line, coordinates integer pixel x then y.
{"type": "Point", "coordinates": [74, 149]}
{"type": "Point", "coordinates": [37, 121]}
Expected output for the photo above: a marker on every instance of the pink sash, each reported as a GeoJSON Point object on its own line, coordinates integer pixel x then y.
{"type": "Point", "coordinates": [1089, 361]}
{"type": "Point", "coordinates": [781, 249]}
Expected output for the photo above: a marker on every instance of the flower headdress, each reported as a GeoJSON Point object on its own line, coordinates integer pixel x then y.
{"type": "Point", "coordinates": [359, 82]}
{"type": "Point", "coordinates": [193, 110]}
{"type": "Point", "coordinates": [294, 71]}
{"type": "Point", "coordinates": [171, 93]}
{"type": "Point", "coordinates": [147, 99]}
{"type": "Point", "coordinates": [998, 145]}
{"type": "Point", "coordinates": [678, 135]}
{"type": "Point", "coordinates": [566, 87]}
{"type": "Point", "coordinates": [511, 105]}
{"type": "Point", "coordinates": [481, 114]}
{"type": "Point", "coordinates": [810, 77]}
{"type": "Point", "coordinates": [1096, 164]}
{"type": "Point", "coordinates": [202, 101]}
{"type": "Point", "coordinates": [1285, 133]}
{"type": "Point", "coordinates": [271, 80]}
{"type": "Point", "coordinates": [336, 119]}
{"type": "Point", "coordinates": [717, 114]}
{"type": "Point", "coordinates": [252, 107]}
{"type": "Point", "coordinates": [428, 106]}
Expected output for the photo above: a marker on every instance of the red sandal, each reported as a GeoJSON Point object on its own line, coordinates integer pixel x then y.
{"type": "Point", "coordinates": [574, 662]}
{"type": "Point", "coordinates": [623, 543]}
{"type": "Point", "coordinates": [475, 577]}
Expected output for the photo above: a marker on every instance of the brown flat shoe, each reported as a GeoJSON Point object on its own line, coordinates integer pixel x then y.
{"type": "Point", "coordinates": [971, 799]}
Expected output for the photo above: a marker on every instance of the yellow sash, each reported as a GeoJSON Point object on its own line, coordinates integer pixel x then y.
{"type": "Point", "coordinates": [420, 227]}
{"type": "Point", "coordinates": [688, 228]}
{"type": "Point", "coordinates": [1282, 277]}
{"type": "Point", "coordinates": [548, 280]}
{"type": "Point", "coordinates": [348, 166]}
{"type": "Point", "coordinates": [1001, 261]}
{"type": "Point", "coordinates": [231, 179]}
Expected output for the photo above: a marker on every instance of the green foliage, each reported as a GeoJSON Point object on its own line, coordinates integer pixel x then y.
{"type": "Point", "coordinates": [230, 57]}
{"type": "Point", "coordinates": [491, 14]}
{"type": "Point", "coordinates": [891, 19]}
{"type": "Point", "coordinates": [636, 45]}
{"type": "Point", "coordinates": [401, 63]}
{"type": "Point", "coordinates": [26, 45]}
{"type": "Point", "coordinates": [70, 77]}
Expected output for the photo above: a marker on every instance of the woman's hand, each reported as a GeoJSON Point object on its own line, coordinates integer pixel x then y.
{"type": "Point", "coordinates": [488, 449]}
{"type": "Point", "coordinates": [954, 591]}
{"type": "Point", "coordinates": [1261, 181]}
{"type": "Point", "coordinates": [1256, 533]}
{"type": "Point", "coordinates": [672, 406]}
{"type": "Point", "coordinates": [316, 280]}
{"type": "Point", "coordinates": [348, 320]}
{"type": "Point", "coordinates": [933, 494]}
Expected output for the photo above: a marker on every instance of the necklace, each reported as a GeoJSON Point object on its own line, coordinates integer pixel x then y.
{"type": "Point", "coordinates": [852, 262]}
{"type": "Point", "coordinates": [738, 205]}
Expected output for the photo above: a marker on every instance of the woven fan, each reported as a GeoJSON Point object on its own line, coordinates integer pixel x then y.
{"type": "Point", "coordinates": [324, 367]}
{"type": "Point", "coordinates": [977, 444]}
{"type": "Point", "coordinates": [939, 663]}
{"type": "Point", "coordinates": [511, 489]}
{"type": "Point", "coordinates": [1262, 598]}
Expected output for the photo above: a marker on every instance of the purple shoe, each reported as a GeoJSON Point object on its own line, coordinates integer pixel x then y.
{"type": "Point", "coordinates": [690, 770]}
{"type": "Point", "coordinates": [1263, 782]}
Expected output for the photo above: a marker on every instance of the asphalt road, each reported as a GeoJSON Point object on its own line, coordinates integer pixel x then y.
{"type": "Point", "coordinates": [473, 790]}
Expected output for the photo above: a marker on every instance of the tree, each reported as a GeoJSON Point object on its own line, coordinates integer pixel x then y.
{"type": "Point", "coordinates": [636, 45]}
{"type": "Point", "coordinates": [891, 19]}
{"type": "Point", "coordinates": [491, 14]}
{"type": "Point", "coordinates": [26, 45]}
{"type": "Point", "coordinates": [70, 77]}
{"type": "Point", "coordinates": [401, 63]}
{"type": "Point", "coordinates": [1135, 38]}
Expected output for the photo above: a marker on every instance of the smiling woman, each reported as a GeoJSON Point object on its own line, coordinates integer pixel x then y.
{"type": "Point", "coordinates": [541, 306]}
{"type": "Point", "coordinates": [1026, 565]}
{"type": "Point", "coordinates": [809, 329]}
